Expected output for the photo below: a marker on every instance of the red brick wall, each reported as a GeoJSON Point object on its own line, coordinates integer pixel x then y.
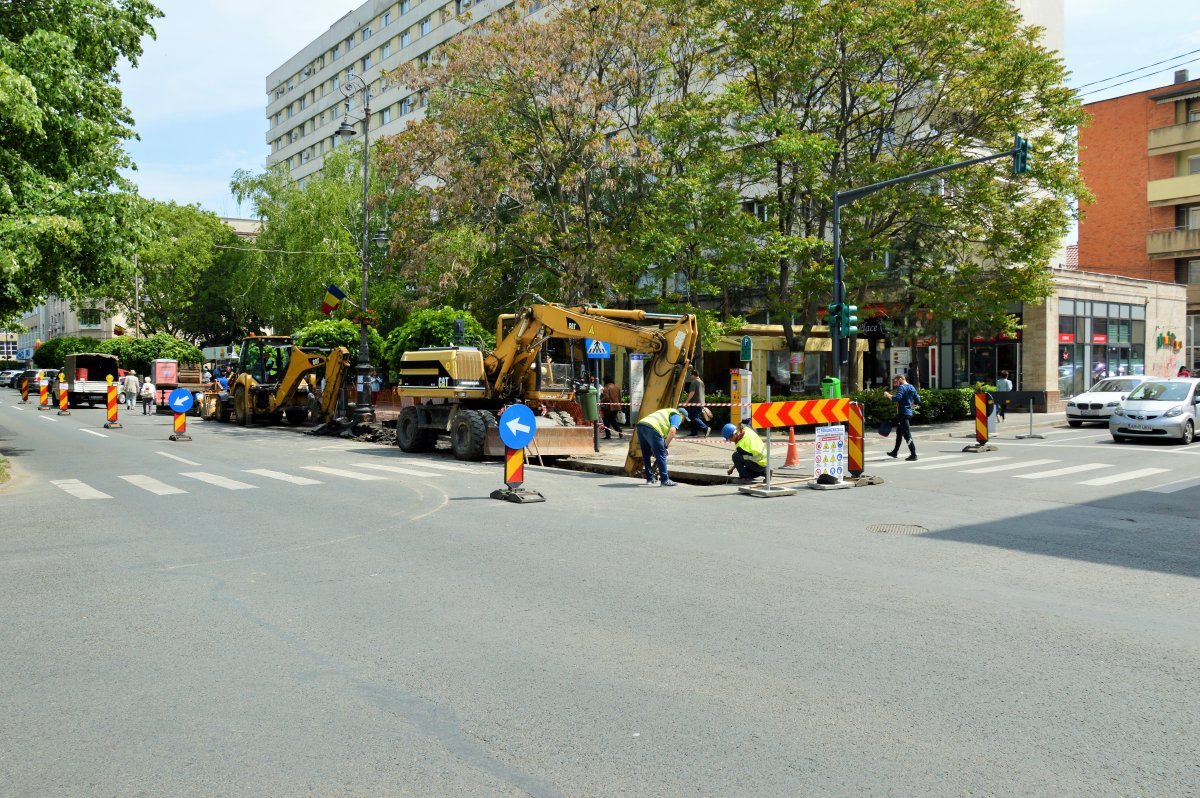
{"type": "Point", "coordinates": [1116, 166]}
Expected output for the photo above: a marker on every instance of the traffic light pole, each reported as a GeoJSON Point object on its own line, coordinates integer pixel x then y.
{"type": "Point", "coordinates": [841, 356]}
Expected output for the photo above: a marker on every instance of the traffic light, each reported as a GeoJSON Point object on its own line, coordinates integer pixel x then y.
{"type": "Point", "coordinates": [1020, 156]}
{"type": "Point", "coordinates": [849, 320]}
{"type": "Point", "coordinates": [835, 318]}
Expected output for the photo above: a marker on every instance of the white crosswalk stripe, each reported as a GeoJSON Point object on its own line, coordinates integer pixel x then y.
{"type": "Point", "coordinates": [151, 484]}
{"type": "Point", "coordinates": [1008, 466]}
{"type": "Point", "coordinates": [1114, 478]}
{"type": "Point", "coordinates": [1175, 487]}
{"type": "Point", "coordinates": [78, 489]}
{"type": "Point", "coordinates": [282, 477]}
{"type": "Point", "coordinates": [412, 472]}
{"type": "Point", "coordinates": [341, 472]}
{"type": "Point", "coordinates": [899, 461]}
{"type": "Point", "coordinates": [450, 467]}
{"type": "Point", "coordinates": [952, 464]}
{"type": "Point", "coordinates": [1062, 472]}
{"type": "Point", "coordinates": [219, 481]}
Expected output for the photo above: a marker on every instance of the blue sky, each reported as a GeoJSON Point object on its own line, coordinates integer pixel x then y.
{"type": "Point", "coordinates": [199, 93]}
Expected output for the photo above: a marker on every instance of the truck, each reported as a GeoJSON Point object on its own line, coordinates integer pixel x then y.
{"type": "Point", "coordinates": [86, 374]}
{"type": "Point", "coordinates": [458, 391]}
{"type": "Point", "coordinates": [274, 380]}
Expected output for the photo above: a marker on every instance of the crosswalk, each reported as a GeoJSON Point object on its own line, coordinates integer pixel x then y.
{"type": "Point", "coordinates": [1038, 469]}
{"type": "Point", "coordinates": [184, 482]}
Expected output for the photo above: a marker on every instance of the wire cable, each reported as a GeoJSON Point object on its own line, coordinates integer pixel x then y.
{"type": "Point", "coordinates": [1139, 69]}
{"type": "Point", "coordinates": [1131, 80]}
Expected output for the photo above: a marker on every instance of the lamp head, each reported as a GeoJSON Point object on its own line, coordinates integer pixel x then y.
{"type": "Point", "coordinates": [345, 130]}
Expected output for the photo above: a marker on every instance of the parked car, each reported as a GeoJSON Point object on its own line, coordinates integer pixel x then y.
{"type": "Point", "coordinates": [7, 376]}
{"type": "Point", "coordinates": [1097, 404]}
{"type": "Point", "coordinates": [1158, 408]}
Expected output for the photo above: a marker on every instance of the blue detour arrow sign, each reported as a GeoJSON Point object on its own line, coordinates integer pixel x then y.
{"type": "Point", "coordinates": [517, 427]}
{"type": "Point", "coordinates": [180, 400]}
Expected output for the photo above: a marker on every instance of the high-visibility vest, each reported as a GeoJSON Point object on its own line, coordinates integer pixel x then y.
{"type": "Point", "coordinates": [660, 420]}
{"type": "Point", "coordinates": [754, 447]}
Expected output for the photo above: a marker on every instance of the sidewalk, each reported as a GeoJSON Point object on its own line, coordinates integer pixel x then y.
{"type": "Point", "coordinates": [705, 460]}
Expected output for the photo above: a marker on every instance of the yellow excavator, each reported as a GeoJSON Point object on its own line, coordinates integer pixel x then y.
{"type": "Point", "coordinates": [459, 391]}
{"type": "Point", "coordinates": [276, 379]}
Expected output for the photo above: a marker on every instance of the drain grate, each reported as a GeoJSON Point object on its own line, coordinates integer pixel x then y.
{"type": "Point", "coordinates": [897, 529]}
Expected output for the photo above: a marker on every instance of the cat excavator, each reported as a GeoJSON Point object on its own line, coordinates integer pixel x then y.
{"type": "Point", "coordinates": [460, 391]}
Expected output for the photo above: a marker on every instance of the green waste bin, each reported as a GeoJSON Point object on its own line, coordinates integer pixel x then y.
{"type": "Point", "coordinates": [588, 402]}
{"type": "Point", "coordinates": [831, 388]}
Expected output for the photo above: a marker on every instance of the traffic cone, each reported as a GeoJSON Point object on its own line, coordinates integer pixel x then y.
{"type": "Point", "coordinates": [793, 455]}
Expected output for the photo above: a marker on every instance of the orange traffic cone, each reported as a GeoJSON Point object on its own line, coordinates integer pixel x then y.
{"type": "Point", "coordinates": [793, 455]}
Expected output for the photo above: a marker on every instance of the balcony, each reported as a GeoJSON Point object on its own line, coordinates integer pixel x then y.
{"type": "Point", "coordinates": [1173, 191]}
{"type": "Point", "coordinates": [1177, 242]}
{"type": "Point", "coordinates": [1176, 138]}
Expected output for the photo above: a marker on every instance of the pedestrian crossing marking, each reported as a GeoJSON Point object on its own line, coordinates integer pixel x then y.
{"type": "Point", "coordinates": [1175, 487]}
{"type": "Point", "coordinates": [78, 489]}
{"type": "Point", "coordinates": [151, 484]}
{"type": "Point", "coordinates": [220, 482]}
{"type": "Point", "coordinates": [412, 472]}
{"type": "Point", "coordinates": [1109, 480]}
{"type": "Point", "coordinates": [176, 457]}
{"type": "Point", "coordinates": [93, 432]}
{"type": "Point", "coordinates": [339, 472]}
{"type": "Point", "coordinates": [891, 461]}
{"type": "Point", "coordinates": [1009, 466]}
{"type": "Point", "coordinates": [282, 477]}
{"type": "Point", "coordinates": [1058, 472]}
{"type": "Point", "coordinates": [951, 464]}
{"type": "Point", "coordinates": [448, 466]}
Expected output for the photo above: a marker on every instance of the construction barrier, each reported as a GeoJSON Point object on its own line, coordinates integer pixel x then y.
{"type": "Point", "coordinates": [854, 445]}
{"type": "Point", "coordinates": [24, 391]}
{"type": "Point", "coordinates": [983, 409]}
{"type": "Point", "coordinates": [111, 398]}
{"type": "Point", "coordinates": [793, 454]}
{"type": "Point", "coordinates": [62, 396]}
{"type": "Point", "coordinates": [514, 478]}
{"type": "Point", "coordinates": [181, 428]}
{"type": "Point", "coordinates": [44, 395]}
{"type": "Point", "coordinates": [764, 415]}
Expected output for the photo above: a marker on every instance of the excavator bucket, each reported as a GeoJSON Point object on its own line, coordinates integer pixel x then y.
{"type": "Point", "coordinates": [549, 441]}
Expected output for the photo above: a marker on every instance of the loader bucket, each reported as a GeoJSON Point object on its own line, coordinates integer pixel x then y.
{"type": "Point", "coordinates": [548, 442]}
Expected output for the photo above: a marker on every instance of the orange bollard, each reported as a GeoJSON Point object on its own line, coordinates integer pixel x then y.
{"type": "Point", "coordinates": [24, 391]}
{"type": "Point", "coordinates": [793, 454]}
{"type": "Point", "coordinates": [181, 428]}
{"type": "Point", "coordinates": [112, 422]}
{"type": "Point", "coordinates": [44, 395]}
{"type": "Point", "coordinates": [854, 440]}
{"type": "Point", "coordinates": [62, 396]}
{"type": "Point", "coordinates": [981, 417]}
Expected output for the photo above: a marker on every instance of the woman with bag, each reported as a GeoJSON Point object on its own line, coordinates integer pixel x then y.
{"type": "Point", "coordinates": [146, 394]}
{"type": "Point", "coordinates": [610, 401]}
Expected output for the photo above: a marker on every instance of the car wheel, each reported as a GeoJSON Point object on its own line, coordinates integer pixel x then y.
{"type": "Point", "coordinates": [1120, 439]}
{"type": "Point", "coordinates": [1189, 433]}
{"type": "Point", "coordinates": [1075, 423]}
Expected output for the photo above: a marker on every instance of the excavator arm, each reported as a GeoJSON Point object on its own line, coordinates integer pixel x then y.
{"type": "Point", "coordinates": [301, 363]}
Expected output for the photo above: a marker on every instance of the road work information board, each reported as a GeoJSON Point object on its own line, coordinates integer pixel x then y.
{"type": "Point", "coordinates": [829, 453]}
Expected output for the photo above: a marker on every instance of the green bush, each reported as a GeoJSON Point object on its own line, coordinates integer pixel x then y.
{"type": "Point", "coordinates": [328, 333]}
{"type": "Point", "coordinates": [136, 353]}
{"type": "Point", "coordinates": [433, 327]}
{"type": "Point", "coordinates": [53, 353]}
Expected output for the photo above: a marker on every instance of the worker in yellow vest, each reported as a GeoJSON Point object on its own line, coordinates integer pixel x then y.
{"type": "Point", "coordinates": [655, 433]}
{"type": "Point", "coordinates": [749, 452]}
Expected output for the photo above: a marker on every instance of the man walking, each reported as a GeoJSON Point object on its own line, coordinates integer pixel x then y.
{"type": "Point", "coordinates": [610, 405]}
{"type": "Point", "coordinates": [905, 397]}
{"type": "Point", "coordinates": [695, 403]}
{"type": "Point", "coordinates": [655, 433]}
{"type": "Point", "coordinates": [1003, 385]}
{"type": "Point", "coordinates": [129, 387]}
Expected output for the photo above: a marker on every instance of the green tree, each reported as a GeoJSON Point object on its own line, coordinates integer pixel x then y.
{"type": "Point", "coordinates": [68, 222]}
{"type": "Point", "coordinates": [434, 327]}
{"type": "Point", "coordinates": [54, 352]}
{"type": "Point", "coordinates": [339, 332]}
{"type": "Point", "coordinates": [138, 353]}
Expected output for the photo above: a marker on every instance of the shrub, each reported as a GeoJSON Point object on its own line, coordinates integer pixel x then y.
{"type": "Point", "coordinates": [136, 353]}
{"type": "Point", "coordinates": [328, 333]}
{"type": "Point", "coordinates": [52, 353]}
{"type": "Point", "coordinates": [433, 327]}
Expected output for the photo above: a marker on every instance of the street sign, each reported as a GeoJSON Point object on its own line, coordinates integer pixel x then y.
{"type": "Point", "coordinates": [597, 349]}
{"type": "Point", "coordinates": [829, 452]}
{"type": "Point", "coordinates": [791, 414]}
{"type": "Point", "coordinates": [180, 400]}
{"type": "Point", "coordinates": [747, 348]}
{"type": "Point", "coordinates": [517, 426]}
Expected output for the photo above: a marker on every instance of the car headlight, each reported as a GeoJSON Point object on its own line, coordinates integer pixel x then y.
{"type": "Point", "coordinates": [1177, 410]}
{"type": "Point", "coordinates": [1112, 404]}
{"type": "Point", "coordinates": [1118, 410]}
{"type": "Point", "coordinates": [1070, 404]}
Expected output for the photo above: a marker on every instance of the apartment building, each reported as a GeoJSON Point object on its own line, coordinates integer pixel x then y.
{"type": "Point", "coordinates": [1141, 159]}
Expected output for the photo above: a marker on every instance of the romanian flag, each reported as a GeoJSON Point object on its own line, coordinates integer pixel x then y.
{"type": "Point", "coordinates": [333, 298]}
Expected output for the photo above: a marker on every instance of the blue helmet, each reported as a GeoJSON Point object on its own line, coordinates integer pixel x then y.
{"type": "Point", "coordinates": [728, 431]}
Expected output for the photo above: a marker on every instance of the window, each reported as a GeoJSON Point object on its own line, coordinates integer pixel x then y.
{"type": "Point", "coordinates": [405, 38]}
{"type": "Point", "coordinates": [366, 63]}
{"type": "Point", "coordinates": [462, 5]}
{"type": "Point", "coordinates": [1193, 165]}
{"type": "Point", "coordinates": [349, 43]}
{"type": "Point", "coordinates": [1193, 111]}
{"type": "Point", "coordinates": [366, 33]}
{"type": "Point", "coordinates": [385, 116]}
{"type": "Point", "coordinates": [1193, 272]}
{"type": "Point", "coordinates": [424, 99]}
{"type": "Point", "coordinates": [337, 52]}
{"type": "Point", "coordinates": [1192, 220]}
{"type": "Point", "coordinates": [303, 103]}
{"type": "Point", "coordinates": [90, 317]}
{"type": "Point", "coordinates": [387, 19]}
{"type": "Point", "coordinates": [386, 50]}
{"type": "Point", "coordinates": [405, 5]}
{"type": "Point", "coordinates": [335, 83]}
{"type": "Point", "coordinates": [424, 59]}
{"type": "Point", "coordinates": [426, 26]}
{"type": "Point", "coordinates": [406, 106]}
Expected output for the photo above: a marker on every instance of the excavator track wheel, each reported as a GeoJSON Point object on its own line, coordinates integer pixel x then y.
{"type": "Point", "coordinates": [410, 437]}
{"type": "Point", "coordinates": [468, 433]}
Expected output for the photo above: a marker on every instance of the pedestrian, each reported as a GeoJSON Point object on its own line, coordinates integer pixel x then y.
{"type": "Point", "coordinates": [1183, 372]}
{"type": "Point", "coordinates": [1003, 385]}
{"type": "Point", "coordinates": [376, 387]}
{"type": "Point", "coordinates": [905, 397]}
{"type": "Point", "coordinates": [146, 393]}
{"type": "Point", "coordinates": [129, 388]}
{"type": "Point", "coordinates": [749, 452]}
{"type": "Point", "coordinates": [610, 404]}
{"type": "Point", "coordinates": [695, 403]}
{"type": "Point", "coordinates": [655, 433]}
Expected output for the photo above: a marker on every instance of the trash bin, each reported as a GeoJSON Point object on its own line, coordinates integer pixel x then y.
{"type": "Point", "coordinates": [831, 388]}
{"type": "Point", "coordinates": [588, 401]}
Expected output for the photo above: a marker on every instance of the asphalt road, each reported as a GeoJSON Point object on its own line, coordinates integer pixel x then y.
{"type": "Point", "coordinates": [268, 619]}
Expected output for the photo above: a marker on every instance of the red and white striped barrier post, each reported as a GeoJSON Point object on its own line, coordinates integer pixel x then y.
{"type": "Point", "coordinates": [24, 391]}
{"type": "Point", "coordinates": [854, 443]}
{"type": "Point", "coordinates": [112, 422]}
{"type": "Point", "coordinates": [44, 394]}
{"type": "Point", "coordinates": [62, 395]}
{"type": "Point", "coordinates": [180, 433]}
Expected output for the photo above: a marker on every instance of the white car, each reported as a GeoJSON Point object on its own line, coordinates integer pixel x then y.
{"type": "Point", "coordinates": [1098, 403]}
{"type": "Point", "coordinates": [6, 376]}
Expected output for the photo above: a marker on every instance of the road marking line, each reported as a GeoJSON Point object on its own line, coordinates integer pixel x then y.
{"type": "Point", "coordinates": [282, 477]}
{"type": "Point", "coordinates": [151, 484]}
{"type": "Point", "coordinates": [451, 467]}
{"type": "Point", "coordinates": [93, 432]}
{"type": "Point", "coordinates": [412, 472]}
{"type": "Point", "coordinates": [220, 482]}
{"type": "Point", "coordinates": [1109, 480]}
{"type": "Point", "coordinates": [337, 472]}
{"type": "Point", "coordinates": [48, 418]}
{"type": "Point", "coordinates": [1008, 466]}
{"type": "Point", "coordinates": [951, 464]}
{"type": "Point", "coordinates": [180, 459]}
{"type": "Point", "coordinates": [16, 407]}
{"type": "Point", "coordinates": [78, 489]}
{"type": "Point", "coordinates": [341, 447]}
{"type": "Point", "coordinates": [1058, 472]}
{"type": "Point", "coordinates": [898, 461]}
{"type": "Point", "coordinates": [1173, 487]}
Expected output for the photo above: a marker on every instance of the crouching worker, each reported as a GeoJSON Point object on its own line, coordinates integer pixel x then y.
{"type": "Point", "coordinates": [749, 454]}
{"type": "Point", "coordinates": [655, 433]}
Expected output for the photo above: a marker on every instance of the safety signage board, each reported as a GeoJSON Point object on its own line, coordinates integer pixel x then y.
{"type": "Point", "coordinates": [517, 426]}
{"type": "Point", "coordinates": [180, 400]}
{"type": "Point", "coordinates": [829, 453]}
{"type": "Point", "coordinates": [791, 414]}
{"type": "Point", "coordinates": [597, 349]}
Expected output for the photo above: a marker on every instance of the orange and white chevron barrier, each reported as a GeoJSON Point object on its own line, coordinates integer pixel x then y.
{"type": "Point", "coordinates": [111, 399]}
{"type": "Point", "coordinates": [764, 415]}
{"type": "Point", "coordinates": [62, 396]}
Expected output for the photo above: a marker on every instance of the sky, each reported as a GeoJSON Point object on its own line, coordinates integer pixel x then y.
{"type": "Point", "coordinates": [198, 94]}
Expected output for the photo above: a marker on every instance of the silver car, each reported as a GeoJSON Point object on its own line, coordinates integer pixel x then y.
{"type": "Point", "coordinates": [1158, 408]}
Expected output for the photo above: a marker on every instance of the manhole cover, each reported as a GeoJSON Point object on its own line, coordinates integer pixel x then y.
{"type": "Point", "coordinates": [897, 529]}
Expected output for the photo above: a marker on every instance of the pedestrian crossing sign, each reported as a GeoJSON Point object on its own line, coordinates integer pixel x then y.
{"type": "Point", "coordinates": [597, 349]}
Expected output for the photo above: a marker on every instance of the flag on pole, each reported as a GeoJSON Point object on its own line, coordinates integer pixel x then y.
{"type": "Point", "coordinates": [333, 298]}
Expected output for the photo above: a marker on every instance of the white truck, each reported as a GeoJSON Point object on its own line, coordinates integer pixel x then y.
{"type": "Point", "coordinates": [86, 374]}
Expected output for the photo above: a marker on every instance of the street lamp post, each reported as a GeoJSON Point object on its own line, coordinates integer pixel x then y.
{"type": "Point", "coordinates": [363, 411]}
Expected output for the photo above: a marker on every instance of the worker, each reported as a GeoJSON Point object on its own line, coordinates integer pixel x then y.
{"type": "Point", "coordinates": [655, 433]}
{"type": "Point", "coordinates": [749, 453]}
